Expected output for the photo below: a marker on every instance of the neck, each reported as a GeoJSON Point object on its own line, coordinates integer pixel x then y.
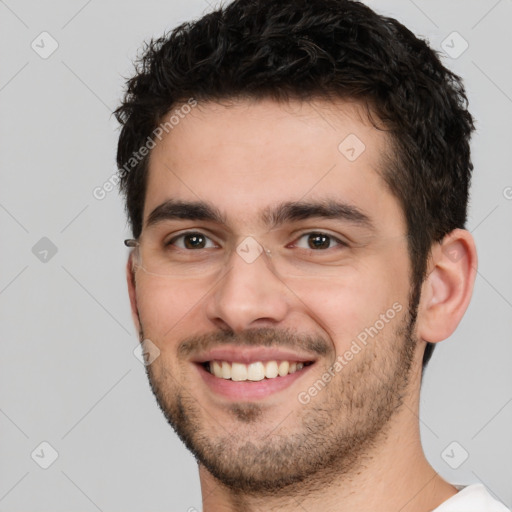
{"type": "Point", "coordinates": [392, 476]}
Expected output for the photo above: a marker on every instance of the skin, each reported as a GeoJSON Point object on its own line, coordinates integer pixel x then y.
{"type": "Point", "coordinates": [363, 428]}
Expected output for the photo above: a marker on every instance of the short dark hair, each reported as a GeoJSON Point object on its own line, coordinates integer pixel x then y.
{"type": "Point", "coordinates": [308, 49]}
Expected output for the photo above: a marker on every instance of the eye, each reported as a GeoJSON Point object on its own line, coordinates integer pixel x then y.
{"type": "Point", "coordinates": [318, 241]}
{"type": "Point", "coordinates": [191, 241]}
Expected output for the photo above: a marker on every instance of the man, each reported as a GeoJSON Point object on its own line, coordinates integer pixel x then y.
{"type": "Point", "coordinates": [296, 177]}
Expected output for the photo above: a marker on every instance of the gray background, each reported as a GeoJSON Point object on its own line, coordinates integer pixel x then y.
{"type": "Point", "coordinates": [68, 372]}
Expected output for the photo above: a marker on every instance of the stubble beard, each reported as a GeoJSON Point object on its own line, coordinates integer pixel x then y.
{"type": "Point", "coordinates": [329, 437]}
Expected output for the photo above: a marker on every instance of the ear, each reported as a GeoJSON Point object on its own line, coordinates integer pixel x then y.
{"type": "Point", "coordinates": [447, 290]}
{"type": "Point", "coordinates": [132, 291]}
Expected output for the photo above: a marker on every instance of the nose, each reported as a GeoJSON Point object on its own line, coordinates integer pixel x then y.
{"type": "Point", "coordinates": [249, 295]}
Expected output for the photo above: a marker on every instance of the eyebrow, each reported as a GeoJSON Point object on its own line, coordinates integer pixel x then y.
{"type": "Point", "coordinates": [327, 209]}
{"type": "Point", "coordinates": [272, 217]}
{"type": "Point", "coordinates": [195, 210]}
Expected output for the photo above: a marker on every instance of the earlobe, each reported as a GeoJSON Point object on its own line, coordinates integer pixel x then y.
{"type": "Point", "coordinates": [447, 290]}
{"type": "Point", "coordinates": [132, 292]}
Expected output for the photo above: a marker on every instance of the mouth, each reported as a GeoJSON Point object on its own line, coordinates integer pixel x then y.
{"type": "Point", "coordinates": [251, 373]}
{"type": "Point", "coordinates": [255, 371]}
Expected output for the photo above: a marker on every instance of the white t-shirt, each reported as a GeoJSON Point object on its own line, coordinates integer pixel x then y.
{"type": "Point", "coordinates": [471, 498]}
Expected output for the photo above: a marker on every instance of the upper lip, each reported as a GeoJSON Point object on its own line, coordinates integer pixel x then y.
{"type": "Point", "coordinates": [247, 355]}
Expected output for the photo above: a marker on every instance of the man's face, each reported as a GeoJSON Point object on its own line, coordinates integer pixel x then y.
{"type": "Point", "coordinates": [325, 286]}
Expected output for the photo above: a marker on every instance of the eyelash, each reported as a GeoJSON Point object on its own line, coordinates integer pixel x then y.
{"type": "Point", "coordinates": [332, 238]}
{"type": "Point", "coordinates": [182, 235]}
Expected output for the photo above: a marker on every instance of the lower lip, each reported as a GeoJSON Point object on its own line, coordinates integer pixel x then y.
{"type": "Point", "coordinates": [249, 390]}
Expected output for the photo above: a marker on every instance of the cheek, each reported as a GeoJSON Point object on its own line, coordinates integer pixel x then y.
{"type": "Point", "coordinates": [166, 309]}
{"type": "Point", "coordinates": [354, 304]}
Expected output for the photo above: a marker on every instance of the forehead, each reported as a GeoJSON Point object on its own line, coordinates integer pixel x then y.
{"type": "Point", "coordinates": [244, 157]}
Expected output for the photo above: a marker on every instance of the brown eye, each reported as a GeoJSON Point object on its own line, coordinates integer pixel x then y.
{"type": "Point", "coordinates": [191, 241]}
{"type": "Point", "coordinates": [319, 241]}
{"type": "Point", "coordinates": [194, 241]}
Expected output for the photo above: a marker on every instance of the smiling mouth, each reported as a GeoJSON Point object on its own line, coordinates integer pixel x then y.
{"type": "Point", "coordinates": [255, 371]}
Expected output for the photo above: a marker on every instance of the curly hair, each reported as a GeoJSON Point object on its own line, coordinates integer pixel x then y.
{"type": "Point", "coordinates": [309, 49]}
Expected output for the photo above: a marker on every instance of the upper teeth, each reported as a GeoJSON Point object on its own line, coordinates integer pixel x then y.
{"type": "Point", "coordinates": [253, 371]}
